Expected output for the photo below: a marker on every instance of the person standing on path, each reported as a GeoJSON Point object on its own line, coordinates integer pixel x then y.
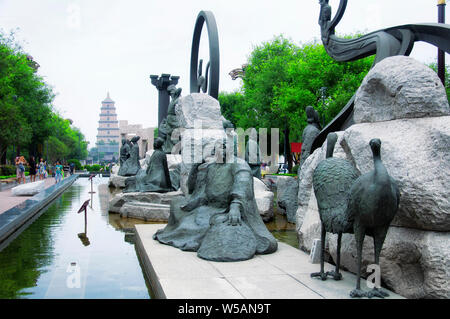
{"type": "Point", "coordinates": [32, 163]}
{"type": "Point", "coordinates": [20, 169]}
{"type": "Point", "coordinates": [58, 172]}
{"type": "Point", "coordinates": [41, 169]}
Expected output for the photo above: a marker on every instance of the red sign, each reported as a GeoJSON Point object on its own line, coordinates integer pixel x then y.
{"type": "Point", "coordinates": [296, 147]}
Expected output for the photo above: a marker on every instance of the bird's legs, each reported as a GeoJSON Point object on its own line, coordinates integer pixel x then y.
{"type": "Point", "coordinates": [360, 233]}
{"type": "Point", "coordinates": [336, 274]}
{"type": "Point", "coordinates": [322, 273]}
{"type": "Point", "coordinates": [379, 234]}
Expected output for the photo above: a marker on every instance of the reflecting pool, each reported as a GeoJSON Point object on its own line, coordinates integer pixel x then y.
{"type": "Point", "coordinates": [61, 256]}
{"type": "Point", "coordinates": [53, 259]}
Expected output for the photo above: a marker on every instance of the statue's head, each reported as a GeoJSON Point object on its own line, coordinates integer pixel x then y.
{"type": "Point", "coordinates": [227, 124]}
{"type": "Point", "coordinates": [135, 139]}
{"type": "Point", "coordinates": [310, 114]}
{"type": "Point", "coordinates": [171, 89]}
{"type": "Point", "coordinates": [124, 141]}
{"type": "Point", "coordinates": [158, 143]}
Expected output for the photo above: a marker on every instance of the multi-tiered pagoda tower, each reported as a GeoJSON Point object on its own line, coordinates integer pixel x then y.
{"type": "Point", "coordinates": [108, 137]}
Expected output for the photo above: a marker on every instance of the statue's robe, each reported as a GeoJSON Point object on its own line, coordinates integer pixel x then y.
{"type": "Point", "coordinates": [157, 177]}
{"type": "Point", "coordinates": [131, 166]}
{"type": "Point", "coordinates": [309, 135]}
{"type": "Point", "coordinates": [214, 188]}
{"type": "Point", "coordinates": [252, 157]}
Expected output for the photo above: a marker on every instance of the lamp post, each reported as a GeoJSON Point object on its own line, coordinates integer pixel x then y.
{"type": "Point", "coordinates": [441, 54]}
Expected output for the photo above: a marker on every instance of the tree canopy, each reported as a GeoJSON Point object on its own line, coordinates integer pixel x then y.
{"type": "Point", "coordinates": [282, 78]}
{"type": "Point", "coordinates": [28, 120]}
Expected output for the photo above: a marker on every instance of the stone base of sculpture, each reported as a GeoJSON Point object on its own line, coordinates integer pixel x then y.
{"type": "Point", "coordinates": [117, 181]}
{"type": "Point", "coordinates": [145, 206]}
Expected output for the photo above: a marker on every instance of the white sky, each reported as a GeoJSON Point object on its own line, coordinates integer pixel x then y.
{"type": "Point", "coordinates": [88, 47]}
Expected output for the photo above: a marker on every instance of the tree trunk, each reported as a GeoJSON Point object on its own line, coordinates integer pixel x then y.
{"type": "Point", "coordinates": [3, 150]}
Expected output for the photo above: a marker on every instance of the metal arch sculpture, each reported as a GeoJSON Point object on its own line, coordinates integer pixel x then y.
{"type": "Point", "coordinates": [384, 43]}
{"type": "Point", "coordinates": [211, 84]}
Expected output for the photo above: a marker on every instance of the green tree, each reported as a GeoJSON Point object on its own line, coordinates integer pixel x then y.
{"type": "Point", "coordinates": [57, 150]}
{"type": "Point", "coordinates": [282, 78]}
{"type": "Point", "coordinates": [229, 102]}
{"type": "Point", "coordinates": [27, 119]}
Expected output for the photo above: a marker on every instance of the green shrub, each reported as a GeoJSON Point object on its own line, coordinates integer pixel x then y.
{"type": "Point", "coordinates": [295, 169]}
{"type": "Point", "coordinates": [77, 163]}
{"type": "Point", "coordinates": [6, 170]}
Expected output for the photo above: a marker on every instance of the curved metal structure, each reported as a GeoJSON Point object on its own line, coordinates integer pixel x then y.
{"type": "Point", "coordinates": [383, 43]}
{"type": "Point", "coordinates": [212, 84]}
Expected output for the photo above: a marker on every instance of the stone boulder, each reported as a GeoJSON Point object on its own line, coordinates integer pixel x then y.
{"type": "Point", "coordinates": [416, 153]}
{"type": "Point", "coordinates": [119, 200]}
{"type": "Point", "coordinates": [264, 199]}
{"type": "Point", "coordinates": [117, 181]}
{"type": "Point", "coordinates": [201, 128]}
{"type": "Point", "coordinates": [400, 87]}
{"type": "Point", "coordinates": [287, 196]}
{"type": "Point", "coordinates": [145, 211]}
{"type": "Point", "coordinates": [414, 263]}
{"type": "Point", "coordinates": [29, 189]}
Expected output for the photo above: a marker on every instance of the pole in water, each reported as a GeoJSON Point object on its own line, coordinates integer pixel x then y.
{"type": "Point", "coordinates": [441, 54]}
{"type": "Point", "coordinates": [83, 236]}
{"type": "Point", "coordinates": [91, 179]}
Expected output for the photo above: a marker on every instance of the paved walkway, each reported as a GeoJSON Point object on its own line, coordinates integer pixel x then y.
{"type": "Point", "coordinates": [284, 274]}
{"type": "Point", "coordinates": [8, 200]}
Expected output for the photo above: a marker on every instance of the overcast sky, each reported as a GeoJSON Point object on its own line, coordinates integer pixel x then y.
{"type": "Point", "coordinates": [89, 47]}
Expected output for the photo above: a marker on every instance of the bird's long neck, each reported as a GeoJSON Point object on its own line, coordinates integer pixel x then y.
{"type": "Point", "coordinates": [381, 173]}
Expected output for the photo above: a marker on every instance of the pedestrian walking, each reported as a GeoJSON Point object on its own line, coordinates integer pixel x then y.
{"type": "Point", "coordinates": [42, 169]}
{"type": "Point", "coordinates": [20, 169]}
{"type": "Point", "coordinates": [58, 172]}
{"type": "Point", "coordinates": [32, 163]}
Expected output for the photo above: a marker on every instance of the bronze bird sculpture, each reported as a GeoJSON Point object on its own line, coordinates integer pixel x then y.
{"type": "Point", "coordinates": [373, 202]}
{"type": "Point", "coordinates": [332, 180]}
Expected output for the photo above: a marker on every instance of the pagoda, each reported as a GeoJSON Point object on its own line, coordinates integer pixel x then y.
{"type": "Point", "coordinates": [108, 137]}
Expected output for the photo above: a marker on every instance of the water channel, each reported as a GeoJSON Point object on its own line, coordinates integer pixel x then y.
{"type": "Point", "coordinates": [53, 259]}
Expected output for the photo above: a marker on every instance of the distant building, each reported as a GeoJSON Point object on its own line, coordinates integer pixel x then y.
{"type": "Point", "coordinates": [146, 135]}
{"type": "Point", "coordinates": [108, 137]}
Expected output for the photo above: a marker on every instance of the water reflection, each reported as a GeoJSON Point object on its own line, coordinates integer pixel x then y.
{"type": "Point", "coordinates": [46, 260]}
{"type": "Point", "coordinates": [52, 259]}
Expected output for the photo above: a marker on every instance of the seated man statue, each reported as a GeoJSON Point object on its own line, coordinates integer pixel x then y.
{"type": "Point", "coordinates": [131, 166]}
{"type": "Point", "coordinates": [220, 219]}
{"type": "Point", "coordinates": [156, 178]}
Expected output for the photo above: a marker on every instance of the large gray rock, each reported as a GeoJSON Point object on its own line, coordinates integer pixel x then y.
{"type": "Point", "coordinates": [119, 200]}
{"type": "Point", "coordinates": [145, 211]}
{"type": "Point", "coordinates": [264, 199]}
{"type": "Point", "coordinates": [201, 127]}
{"type": "Point", "coordinates": [287, 196]}
{"type": "Point", "coordinates": [117, 181]}
{"type": "Point", "coordinates": [414, 263]}
{"type": "Point", "coordinates": [400, 87]}
{"type": "Point", "coordinates": [28, 189]}
{"type": "Point", "coordinates": [416, 153]}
